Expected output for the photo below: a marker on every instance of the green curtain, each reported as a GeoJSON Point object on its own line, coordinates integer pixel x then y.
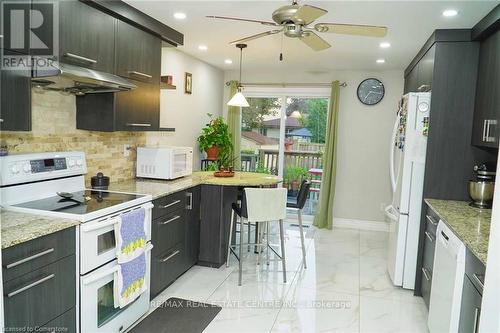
{"type": "Point", "coordinates": [324, 212]}
{"type": "Point", "coordinates": [234, 122]}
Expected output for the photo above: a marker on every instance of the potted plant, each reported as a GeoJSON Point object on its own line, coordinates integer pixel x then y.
{"type": "Point", "coordinates": [215, 137]}
{"type": "Point", "coordinates": [288, 144]}
{"type": "Point", "coordinates": [295, 175]}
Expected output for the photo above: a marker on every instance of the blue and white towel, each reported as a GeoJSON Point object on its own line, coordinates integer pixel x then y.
{"type": "Point", "coordinates": [130, 235]}
{"type": "Point", "coordinates": [130, 281]}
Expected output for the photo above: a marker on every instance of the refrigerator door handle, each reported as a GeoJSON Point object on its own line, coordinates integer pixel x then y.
{"type": "Point", "coordinates": [391, 158]}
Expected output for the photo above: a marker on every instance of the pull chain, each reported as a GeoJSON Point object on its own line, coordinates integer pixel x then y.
{"type": "Point", "coordinates": [281, 53]}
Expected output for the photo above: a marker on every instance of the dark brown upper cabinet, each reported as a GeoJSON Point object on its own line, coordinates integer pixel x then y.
{"type": "Point", "coordinates": [15, 98]}
{"type": "Point", "coordinates": [86, 36]}
{"type": "Point", "coordinates": [419, 79]}
{"type": "Point", "coordinates": [137, 54]}
{"type": "Point", "coordinates": [137, 58]}
{"type": "Point", "coordinates": [486, 127]}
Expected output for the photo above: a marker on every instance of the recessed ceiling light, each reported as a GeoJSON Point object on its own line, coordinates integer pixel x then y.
{"type": "Point", "coordinates": [202, 48]}
{"type": "Point", "coordinates": [385, 45]}
{"type": "Point", "coordinates": [179, 16]}
{"type": "Point", "coordinates": [228, 61]}
{"type": "Point", "coordinates": [450, 13]}
{"type": "Point", "coordinates": [380, 61]}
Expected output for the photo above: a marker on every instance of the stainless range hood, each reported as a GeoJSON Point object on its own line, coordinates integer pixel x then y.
{"type": "Point", "coordinates": [77, 80]}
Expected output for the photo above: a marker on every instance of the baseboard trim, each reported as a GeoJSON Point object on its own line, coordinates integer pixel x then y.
{"type": "Point", "coordinates": [339, 222]}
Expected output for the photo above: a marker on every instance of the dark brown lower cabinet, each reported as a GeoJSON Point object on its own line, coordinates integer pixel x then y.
{"type": "Point", "coordinates": [38, 297]}
{"type": "Point", "coordinates": [175, 237]}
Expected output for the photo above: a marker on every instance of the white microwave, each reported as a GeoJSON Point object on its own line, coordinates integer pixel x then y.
{"type": "Point", "coordinates": [164, 162]}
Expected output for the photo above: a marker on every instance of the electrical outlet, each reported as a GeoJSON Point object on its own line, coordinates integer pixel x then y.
{"type": "Point", "coordinates": [382, 206]}
{"type": "Point", "coordinates": [126, 150]}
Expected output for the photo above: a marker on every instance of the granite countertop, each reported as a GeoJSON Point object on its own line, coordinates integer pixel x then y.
{"type": "Point", "coordinates": [471, 225]}
{"type": "Point", "coordinates": [19, 228]}
{"type": "Point", "coordinates": [158, 188]}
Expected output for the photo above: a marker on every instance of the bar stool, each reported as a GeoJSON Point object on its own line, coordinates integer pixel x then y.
{"type": "Point", "coordinates": [298, 206]}
{"type": "Point", "coordinates": [262, 206]}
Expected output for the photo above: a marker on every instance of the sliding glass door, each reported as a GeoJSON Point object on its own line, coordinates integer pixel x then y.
{"type": "Point", "coordinates": [283, 133]}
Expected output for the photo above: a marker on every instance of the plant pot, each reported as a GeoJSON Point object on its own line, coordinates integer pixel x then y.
{"type": "Point", "coordinates": [288, 146]}
{"type": "Point", "coordinates": [295, 185]}
{"type": "Point", "coordinates": [212, 153]}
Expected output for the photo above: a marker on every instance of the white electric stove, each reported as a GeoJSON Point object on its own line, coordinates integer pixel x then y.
{"type": "Point", "coordinates": [53, 184]}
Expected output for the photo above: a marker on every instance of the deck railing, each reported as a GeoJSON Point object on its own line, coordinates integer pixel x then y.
{"type": "Point", "coordinates": [268, 159]}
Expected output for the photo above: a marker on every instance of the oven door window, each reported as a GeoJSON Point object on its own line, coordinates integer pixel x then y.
{"type": "Point", "coordinates": [106, 310]}
{"type": "Point", "coordinates": [180, 161]}
{"type": "Point", "coordinates": [106, 242]}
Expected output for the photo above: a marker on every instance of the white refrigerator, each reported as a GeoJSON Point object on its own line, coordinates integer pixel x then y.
{"type": "Point", "coordinates": [407, 168]}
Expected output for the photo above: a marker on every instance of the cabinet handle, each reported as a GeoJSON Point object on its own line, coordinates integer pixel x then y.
{"type": "Point", "coordinates": [170, 220]}
{"type": "Point", "coordinates": [22, 261]}
{"type": "Point", "coordinates": [31, 285]}
{"type": "Point", "coordinates": [426, 274]}
{"type": "Point", "coordinates": [431, 220]}
{"type": "Point", "coordinates": [476, 278]}
{"type": "Point", "coordinates": [190, 205]}
{"type": "Point", "coordinates": [477, 313]}
{"type": "Point", "coordinates": [80, 58]}
{"type": "Point", "coordinates": [140, 74]}
{"type": "Point", "coordinates": [429, 236]}
{"type": "Point", "coordinates": [170, 256]}
{"type": "Point", "coordinates": [138, 124]}
{"type": "Point", "coordinates": [170, 204]}
{"type": "Point", "coordinates": [485, 125]}
{"type": "Point", "coordinates": [490, 122]}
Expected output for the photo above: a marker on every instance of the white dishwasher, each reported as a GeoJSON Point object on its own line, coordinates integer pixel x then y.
{"type": "Point", "coordinates": [447, 281]}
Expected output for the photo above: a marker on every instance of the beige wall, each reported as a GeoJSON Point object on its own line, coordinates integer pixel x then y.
{"type": "Point", "coordinates": [363, 185]}
{"type": "Point", "coordinates": [54, 121]}
{"type": "Point", "coordinates": [188, 113]}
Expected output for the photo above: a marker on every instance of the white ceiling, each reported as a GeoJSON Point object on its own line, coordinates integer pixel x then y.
{"type": "Point", "coordinates": [410, 23]}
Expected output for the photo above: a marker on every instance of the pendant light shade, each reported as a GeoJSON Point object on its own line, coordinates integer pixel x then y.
{"type": "Point", "coordinates": [239, 99]}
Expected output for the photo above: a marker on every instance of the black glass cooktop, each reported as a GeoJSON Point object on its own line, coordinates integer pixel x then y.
{"type": "Point", "coordinates": [80, 203]}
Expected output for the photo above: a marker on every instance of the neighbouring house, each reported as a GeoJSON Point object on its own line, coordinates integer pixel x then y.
{"type": "Point", "coordinates": [271, 127]}
{"type": "Point", "coordinates": [302, 134]}
{"type": "Point", "coordinates": [254, 141]}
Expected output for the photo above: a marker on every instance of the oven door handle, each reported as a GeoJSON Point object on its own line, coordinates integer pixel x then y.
{"type": "Point", "coordinates": [95, 277]}
{"type": "Point", "coordinates": [110, 221]}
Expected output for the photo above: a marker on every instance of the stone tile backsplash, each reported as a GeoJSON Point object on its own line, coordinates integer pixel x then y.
{"type": "Point", "coordinates": [54, 129]}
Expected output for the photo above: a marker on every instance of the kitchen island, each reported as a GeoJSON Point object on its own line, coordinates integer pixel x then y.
{"type": "Point", "coordinates": [211, 197]}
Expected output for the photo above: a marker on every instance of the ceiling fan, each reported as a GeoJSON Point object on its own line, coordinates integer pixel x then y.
{"type": "Point", "coordinates": [294, 21]}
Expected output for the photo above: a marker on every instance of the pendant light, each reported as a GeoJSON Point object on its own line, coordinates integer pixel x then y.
{"type": "Point", "coordinates": [238, 99]}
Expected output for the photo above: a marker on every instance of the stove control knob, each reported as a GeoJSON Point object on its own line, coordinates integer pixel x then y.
{"type": "Point", "coordinates": [79, 162]}
{"type": "Point", "coordinates": [71, 163]}
{"type": "Point", "coordinates": [14, 169]}
{"type": "Point", "coordinates": [27, 168]}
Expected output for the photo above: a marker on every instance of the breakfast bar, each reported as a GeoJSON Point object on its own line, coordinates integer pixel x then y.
{"type": "Point", "coordinates": [216, 195]}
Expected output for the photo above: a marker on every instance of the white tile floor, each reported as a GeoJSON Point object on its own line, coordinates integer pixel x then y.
{"type": "Point", "coordinates": [345, 288]}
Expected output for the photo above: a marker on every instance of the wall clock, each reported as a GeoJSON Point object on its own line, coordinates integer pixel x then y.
{"type": "Point", "coordinates": [371, 91]}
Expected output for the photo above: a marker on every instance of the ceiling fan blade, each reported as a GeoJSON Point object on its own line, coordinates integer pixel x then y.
{"type": "Point", "coordinates": [244, 20]}
{"type": "Point", "coordinates": [249, 38]}
{"type": "Point", "coordinates": [352, 29]}
{"type": "Point", "coordinates": [308, 14]}
{"type": "Point", "coordinates": [314, 41]}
